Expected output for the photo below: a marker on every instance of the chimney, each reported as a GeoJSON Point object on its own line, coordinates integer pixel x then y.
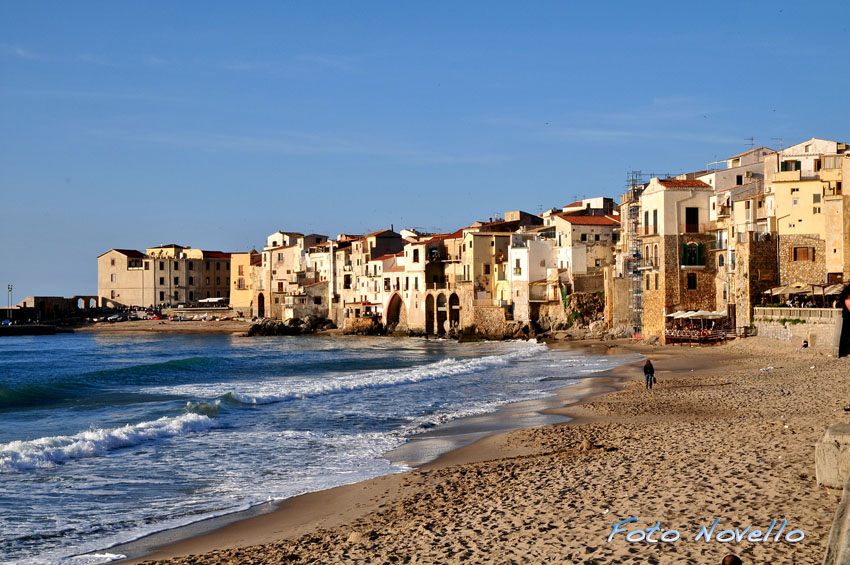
{"type": "Point", "coordinates": [392, 227]}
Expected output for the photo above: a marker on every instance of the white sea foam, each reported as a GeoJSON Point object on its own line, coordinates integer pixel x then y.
{"type": "Point", "coordinates": [267, 392]}
{"type": "Point", "coordinates": [47, 451]}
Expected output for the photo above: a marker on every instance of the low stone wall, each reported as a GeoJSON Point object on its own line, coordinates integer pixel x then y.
{"type": "Point", "coordinates": [821, 327]}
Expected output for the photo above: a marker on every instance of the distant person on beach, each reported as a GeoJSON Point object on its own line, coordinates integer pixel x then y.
{"type": "Point", "coordinates": [649, 374]}
{"type": "Point", "coordinates": [732, 560]}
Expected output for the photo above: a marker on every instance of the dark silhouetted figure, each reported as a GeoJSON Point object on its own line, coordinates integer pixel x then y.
{"type": "Point", "coordinates": [732, 560]}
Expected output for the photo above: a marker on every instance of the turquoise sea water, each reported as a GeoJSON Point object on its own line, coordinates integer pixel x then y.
{"type": "Point", "coordinates": [106, 438]}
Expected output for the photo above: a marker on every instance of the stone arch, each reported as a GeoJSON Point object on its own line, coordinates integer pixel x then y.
{"type": "Point", "coordinates": [454, 311]}
{"type": "Point", "coordinates": [396, 314]}
{"type": "Point", "coordinates": [81, 304]}
{"type": "Point", "coordinates": [261, 306]}
{"type": "Point", "coordinates": [429, 314]}
{"type": "Point", "coordinates": [442, 313]}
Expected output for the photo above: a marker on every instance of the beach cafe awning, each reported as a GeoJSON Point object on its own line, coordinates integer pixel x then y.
{"type": "Point", "coordinates": [697, 315]}
{"type": "Point", "coordinates": [834, 289]}
{"type": "Point", "coordinates": [796, 288]}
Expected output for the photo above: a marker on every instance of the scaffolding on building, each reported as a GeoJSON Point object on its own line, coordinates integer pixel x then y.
{"type": "Point", "coordinates": [634, 189]}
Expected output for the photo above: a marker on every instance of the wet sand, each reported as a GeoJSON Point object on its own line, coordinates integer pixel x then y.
{"type": "Point", "coordinates": [717, 439]}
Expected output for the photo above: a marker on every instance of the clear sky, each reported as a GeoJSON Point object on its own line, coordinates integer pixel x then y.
{"type": "Point", "coordinates": [213, 124]}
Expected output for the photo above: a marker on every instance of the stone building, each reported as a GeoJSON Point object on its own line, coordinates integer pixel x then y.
{"type": "Point", "coordinates": [675, 272]}
{"type": "Point", "coordinates": [799, 179]}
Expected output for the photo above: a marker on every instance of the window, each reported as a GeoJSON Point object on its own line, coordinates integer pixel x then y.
{"type": "Point", "coordinates": [815, 209]}
{"type": "Point", "coordinates": [176, 266]}
{"type": "Point", "coordinates": [816, 198]}
{"type": "Point", "coordinates": [598, 262]}
{"type": "Point", "coordinates": [176, 295]}
{"type": "Point", "coordinates": [720, 260]}
{"type": "Point", "coordinates": [207, 282]}
{"type": "Point", "coordinates": [692, 281]}
{"type": "Point", "coordinates": [176, 281]}
{"type": "Point", "coordinates": [492, 243]}
{"type": "Point", "coordinates": [656, 281]}
{"type": "Point", "coordinates": [406, 283]}
{"type": "Point", "coordinates": [739, 179]}
{"type": "Point", "coordinates": [280, 287]}
{"type": "Point", "coordinates": [191, 295]}
{"type": "Point", "coordinates": [191, 281]}
{"type": "Point", "coordinates": [241, 270]}
{"type": "Point", "coordinates": [317, 300]}
{"type": "Point", "coordinates": [789, 166]}
{"type": "Point", "coordinates": [217, 266]}
{"type": "Point", "coordinates": [655, 221]}
{"type": "Point", "coordinates": [596, 237]}
{"type": "Point", "coordinates": [190, 265]}
{"type": "Point", "coordinates": [147, 265]}
{"type": "Point", "coordinates": [795, 201]}
{"type": "Point", "coordinates": [208, 264]}
{"type": "Point", "coordinates": [487, 269]}
{"type": "Point", "coordinates": [647, 282]}
{"type": "Point", "coordinates": [415, 255]}
{"type": "Point", "coordinates": [803, 254]}
{"type": "Point", "coordinates": [112, 262]}
{"type": "Point", "coordinates": [111, 294]}
{"type": "Point", "coordinates": [161, 296]}
{"type": "Point", "coordinates": [795, 190]}
{"type": "Point", "coordinates": [416, 283]}
{"type": "Point", "coordinates": [584, 237]}
{"type": "Point", "coordinates": [218, 281]}
{"type": "Point", "coordinates": [279, 258]}
{"type": "Point", "coordinates": [162, 265]}
{"type": "Point", "coordinates": [161, 281]}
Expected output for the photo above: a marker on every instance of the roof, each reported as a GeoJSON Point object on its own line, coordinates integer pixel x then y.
{"type": "Point", "coordinates": [541, 228]}
{"type": "Point", "coordinates": [216, 254]}
{"type": "Point", "coordinates": [750, 151]}
{"type": "Point", "coordinates": [674, 183]}
{"type": "Point", "coordinates": [574, 204]}
{"type": "Point", "coordinates": [380, 232]}
{"type": "Point", "coordinates": [589, 220]}
{"type": "Point", "coordinates": [128, 252]}
{"type": "Point", "coordinates": [384, 257]}
{"type": "Point", "coordinates": [314, 283]}
{"type": "Point", "coordinates": [396, 269]}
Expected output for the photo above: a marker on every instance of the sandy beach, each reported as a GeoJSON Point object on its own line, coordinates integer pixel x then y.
{"type": "Point", "coordinates": [717, 439]}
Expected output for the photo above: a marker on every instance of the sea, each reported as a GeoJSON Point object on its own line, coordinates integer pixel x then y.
{"type": "Point", "coordinates": [107, 438]}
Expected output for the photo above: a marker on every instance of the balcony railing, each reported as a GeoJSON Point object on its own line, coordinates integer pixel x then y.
{"type": "Point", "coordinates": [692, 228]}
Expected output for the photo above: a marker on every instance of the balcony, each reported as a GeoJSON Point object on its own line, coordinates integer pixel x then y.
{"type": "Point", "coordinates": [786, 176]}
{"type": "Point", "coordinates": [693, 228]}
{"type": "Point", "coordinates": [643, 231]}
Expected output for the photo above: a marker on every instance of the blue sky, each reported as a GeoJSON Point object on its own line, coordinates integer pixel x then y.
{"type": "Point", "coordinates": [212, 124]}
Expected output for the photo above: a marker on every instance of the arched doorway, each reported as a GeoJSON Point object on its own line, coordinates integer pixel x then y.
{"type": "Point", "coordinates": [429, 314]}
{"type": "Point", "coordinates": [81, 304]}
{"type": "Point", "coordinates": [261, 306]}
{"type": "Point", "coordinates": [454, 311]}
{"type": "Point", "coordinates": [442, 313]}
{"type": "Point", "coordinates": [396, 314]}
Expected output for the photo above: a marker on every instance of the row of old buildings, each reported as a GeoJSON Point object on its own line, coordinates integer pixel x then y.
{"type": "Point", "coordinates": [481, 275]}
{"type": "Point", "coordinates": [711, 240]}
{"type": "Point", "coordinates": [717, 240]}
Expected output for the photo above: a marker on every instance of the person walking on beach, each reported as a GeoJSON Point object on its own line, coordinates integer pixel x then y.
{"type": "Point", "coordinates": [649, 374]}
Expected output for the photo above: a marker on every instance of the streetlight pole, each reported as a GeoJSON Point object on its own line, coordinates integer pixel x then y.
{"type": "Point", "coordinates": [9, 299]}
